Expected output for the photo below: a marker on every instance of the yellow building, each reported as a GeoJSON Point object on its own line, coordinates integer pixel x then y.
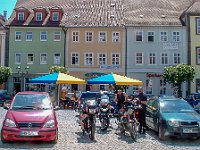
{"type": "Point", "coordinates": [193, 17]}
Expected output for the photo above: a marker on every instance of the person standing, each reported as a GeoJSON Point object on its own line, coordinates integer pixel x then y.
{"type": "Point", "coordinates": [120, 98]}
{"type": "Point", "coordinates": [142, 119]}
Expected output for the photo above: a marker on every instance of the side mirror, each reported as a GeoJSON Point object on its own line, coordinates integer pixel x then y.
{"type": "Point", "coordinates": [56, 108]}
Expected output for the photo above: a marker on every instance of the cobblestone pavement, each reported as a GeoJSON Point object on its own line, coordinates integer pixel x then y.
{"type": "Point", "coordinates": [70, 138]}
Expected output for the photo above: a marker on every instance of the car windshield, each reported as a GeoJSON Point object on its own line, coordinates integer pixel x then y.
{"type": "Point", "coordinates": [31, 101]}
{"type": "Point", "coordinates": [175, 106]}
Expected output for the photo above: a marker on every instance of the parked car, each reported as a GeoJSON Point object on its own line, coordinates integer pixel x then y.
{"type": "Point", "coordinates": [30, 117]}
{"type": "Point", "coordinates": [194, 100]}
{"type": "Point", "coordinates": [89, 95]}
{"type": "Point", "coordinates": [172, 117]}
{"type": "Point", "coordinates": [4, 97]}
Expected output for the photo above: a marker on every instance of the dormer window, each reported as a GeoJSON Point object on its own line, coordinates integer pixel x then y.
{"type": "Point", "coordinates": [55, 16]}
{"type": "Point", "coordinates": [21, 16]}
{"type": "Point", "coordinates": [38, 16]}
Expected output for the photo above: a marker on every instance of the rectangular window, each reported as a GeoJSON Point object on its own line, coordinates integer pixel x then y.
{"type": "Point", "coordinates": [138, 36]}
{"type": "Point", "coordinates": [57, 36]}
{"type": "Point", "coordinates": [115, 37]}
{"type": "Point", "coordinates": [139, 58]}
{"type": "Point", "coordinates": [198, 25]}
{"type": "Point", "coordinates": [164, 58]}
{"type": "Point", "coordinates": [74, 58]}
{"type": "Point", "coordinates": [57, 58]}
{"type": "Point", "coordinates": [176, 36]}
{"type": "Point", "coordinates": [29, 36]}
{"type": "Point", "coordinates": [152, 58]}
{"type": "Point", "coordinates": [102, 59]}
{"type": "Point", "coordinates": [89, 58]}
{"type": "Point", "coordinates": [163, 36]}
{"type": "Point", "coordinates": [20, 16]}
{"type": "Point", "coordinates": [177, 58]}
{"type": "Point", "coordinates": [55, 16]}
{"type": "Point", "coordinates": [75, 36]}
{"type": "Point", "coordinates": [43, 58]}
{"type": "Point", "coordinates": [89, 36]}
{"type": "Point", "coordinates": [198, 56]}
{"type": "Point", "coordinates": [43, 36]}
{"type": "Point", "coordinates": [115, 59]}
{"type": "Point", "coordinates": [150, 36]}
{"type": "Point", "coordinates": [162, 87]}
{"type": "Point", "coordinates": [17, 58]}
{"type": "Point", "coordinates": [149, 89]}
{"type": "Point", "coordinates": [30, 58]}
{"type": "Point", "coordinates": [102, 36]}
{"type": "Point", "coordinates": [38, 16]}
{"type": "Point", "coordinates": [18, 36]}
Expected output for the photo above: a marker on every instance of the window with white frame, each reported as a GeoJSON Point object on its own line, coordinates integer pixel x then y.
{"type": "Point", "coordinates": [115, 58]}
{"type": "Point", "coordinates": [135, 89]}
{"type": "Point", "coordinates": [88, 58]}
{"type": "Point", "coordinates": [102, 59]}
{"type": "Point", "coordinates": [162, 87]}
{"type": "Point", "coordinates": [163, 36]}
{"type": "Point", "coordinates": [138, 36]}
{"type": "Point", "coordinates": [75, 36]}
{"type": "Point", "coordinates": [57, 58]}
{"type": "Point", "coordinates": [29, 36]}
{"type": "Point", "coordinates": [115, 37]}
{"type": "Point", "coordinates": [21, 16]}
{"type": "Point", "coordinates": [18, 36]}
{"type": "Point", "coordinates": [43, 58]}
{"type": "Point", "coordinates": [74, 58]}
{"type": "Point", "coordinates": [149, 85]}
{"type": "Point", "coordinates": [55, 16]}
{"type": "Point", "coordinates": [102, 36]}
{"type": "Point", "coordinates": [139, 58]}
{"type": "Point", "coordinates": [57, 36]}
{"type": "Point", "coordinates": [150, 36]}
{"type": "Point", "coordinates": [164, 58]}
{"type": "Point", "coordinates": [30, 58]}
{"type": "Point", "coordinates": [38, 16]}
{"type": "Point", "coordinates": [88, 36]}
{"type": "Point", "coordinates": [17, 58]}
{"type": "Point", "coordinates": [198, 56]}
{"type": "Point", "coordinates": [198, 25]}
{"type": "Point", "coordinates": [177, 58]}
{"type": "Point", "coordinates": [43, 36]}
{"type": "Point", "coordinates": [176, 36]}
{"type": "Point", "coordinates": [152, 58]}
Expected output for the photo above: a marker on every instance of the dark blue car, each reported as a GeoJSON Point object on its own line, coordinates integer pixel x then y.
{"type": "Point", "coordinates": [194, 100]}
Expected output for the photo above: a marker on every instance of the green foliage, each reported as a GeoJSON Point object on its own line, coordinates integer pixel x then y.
{"type": "Point", "coordinates": [58, 69]}
{"type": "Point", "coordinates": [176, 75]}
{"type": "Point", "coordinates": [5, 72]}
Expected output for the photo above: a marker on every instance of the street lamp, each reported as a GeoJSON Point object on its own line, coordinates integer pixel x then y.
{"type": "Point", "coordinates": [22, 73]}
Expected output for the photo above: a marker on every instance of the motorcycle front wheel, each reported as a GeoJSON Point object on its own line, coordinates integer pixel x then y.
{"type": "Point", "coordinates": [133, 131]}
{"type": "Point", "coordinates": [92, 130]}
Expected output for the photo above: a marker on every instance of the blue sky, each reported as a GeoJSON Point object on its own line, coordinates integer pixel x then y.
{"type": "Point", "coordinates": [7, 5]}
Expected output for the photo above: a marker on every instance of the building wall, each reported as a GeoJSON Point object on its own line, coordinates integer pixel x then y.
{"type": "Point", "coordinates": [153, 72]}
{"type": "Point", "coordinates": [194, 44]}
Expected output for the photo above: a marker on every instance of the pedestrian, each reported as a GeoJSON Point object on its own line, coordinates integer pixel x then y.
{"type": "Point", "coordinates": [120, 98]}
{"type": "Point", "coordinates": [142, 113]}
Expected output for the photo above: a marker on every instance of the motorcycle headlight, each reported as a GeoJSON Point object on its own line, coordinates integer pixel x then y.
{"type": "Point", "coordinates": [49, 124]}
{"type": "Point", "coordinates": [10, 123]}
{"type": "Point", "coordinates": [173, 123]}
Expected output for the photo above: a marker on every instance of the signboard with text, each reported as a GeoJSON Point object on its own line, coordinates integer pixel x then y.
{"type": "Point", "coordinates": [168, 46]}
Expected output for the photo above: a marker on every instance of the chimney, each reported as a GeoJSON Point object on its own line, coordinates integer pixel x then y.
{"type": "Point", "coordinates": [5, 14]}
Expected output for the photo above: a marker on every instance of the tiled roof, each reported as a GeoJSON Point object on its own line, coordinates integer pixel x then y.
{"type": "Point", "coordinates": [195, 8]}
{"type": "Point", "coordinates": [97, 13]}
{"type": "Point", "coordinates": [2, 22]}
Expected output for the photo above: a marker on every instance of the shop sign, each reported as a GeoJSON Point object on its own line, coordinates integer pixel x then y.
{"type": "Point", "coordinates": [168, 46]}
{"type": "Point", "coordinates": [149, 75]}
{"type": "Point", "coordinates": [109, 67]}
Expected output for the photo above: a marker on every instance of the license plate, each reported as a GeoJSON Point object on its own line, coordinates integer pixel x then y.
{"type": "Point", "coordinates": [190, 130]}
{"type": "Point", "coordinates": [92, 111]}
{"type": "Point", "coordinates": [29, 133]}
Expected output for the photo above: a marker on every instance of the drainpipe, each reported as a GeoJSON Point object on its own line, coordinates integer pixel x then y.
{"type": "Point", "coordinates": [65, 46]}
{"type": "Point", "coordinates": [126, 72]}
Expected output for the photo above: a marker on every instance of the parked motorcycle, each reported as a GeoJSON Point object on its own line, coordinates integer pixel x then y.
{"type": "Point", "coordinates": [128, 121]}
{"type": "Point", "coordinates": [89, 111]}
{"type": "Point", "coordinates": [104, 110]}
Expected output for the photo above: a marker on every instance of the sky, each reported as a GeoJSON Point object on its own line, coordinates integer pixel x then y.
{"type": "Point", "coordinates": [7, 5]}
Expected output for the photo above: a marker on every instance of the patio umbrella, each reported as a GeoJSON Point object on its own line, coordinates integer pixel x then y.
{"type": "Point", "coordinates": [114, 79]}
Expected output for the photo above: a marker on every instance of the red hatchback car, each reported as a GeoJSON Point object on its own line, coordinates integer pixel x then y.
{"type": "Point", "coordinates": [30, 117]}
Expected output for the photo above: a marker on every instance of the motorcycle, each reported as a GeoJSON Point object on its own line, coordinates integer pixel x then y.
{"type": "Point", "coordinates": [128, 121]}
{"type": "Point", "coordinates": [89, 111]}
{"type": "Point", "coordinates": [104, 110]}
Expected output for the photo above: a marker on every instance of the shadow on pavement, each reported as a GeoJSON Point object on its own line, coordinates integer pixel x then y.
{"type": "Point", "coordinates": [83, 138]}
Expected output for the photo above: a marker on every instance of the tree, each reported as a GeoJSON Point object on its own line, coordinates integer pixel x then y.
{"type": "Point", "coordinates": [60, 69]}
{"type": "Point", "coordinates": [176, 75]}
{"type": "Point", "coordinates": [5, 72]}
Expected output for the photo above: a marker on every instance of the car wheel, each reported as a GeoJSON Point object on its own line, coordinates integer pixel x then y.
{"type": "Point", "coordinates": [161, 133]}
{"type": "Point", "coordinates": [56, 138]}
{"type": "Point", "coordinates": [2, 138]}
